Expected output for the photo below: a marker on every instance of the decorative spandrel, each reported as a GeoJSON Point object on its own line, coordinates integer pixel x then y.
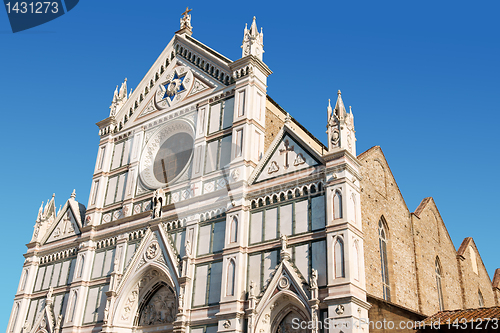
{"type": "Point", "coordinates": [160, 309]}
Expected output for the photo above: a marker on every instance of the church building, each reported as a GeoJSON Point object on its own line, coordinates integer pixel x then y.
{"type": "Point", "coordinates": [213, 210]}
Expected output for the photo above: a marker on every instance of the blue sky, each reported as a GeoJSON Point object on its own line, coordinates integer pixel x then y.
{"type": "Point", "coordinates": [422, 79]}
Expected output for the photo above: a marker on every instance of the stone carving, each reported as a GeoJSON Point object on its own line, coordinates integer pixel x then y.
{"type": "Point", "coordinates": [273, 167]}
{"type": "Point", "coordinates": [158, 201]}
{"type": "Point", "coordinates": [227, 324]}
{"type": "Point", "coordinates": [299, 160]}
{"type": "Point", "coordinates": [283, 283]}
{"type": "Point", "coordinates": [152, 251]}
{"type": "Point", "coordinates": [286, 151]}
{"type": "Point", "coordinates": [160, 309]}
{"type": "Point", "coordinates": [186, 19]}
{"type": "Point", "coordinates": [284, 242]}
{"type": "Point", "coordinates": [340, 309]}
{"type": "Point", "coordinates": [251, 293]}
{"type": "Point", "coordinates": [314, 279]}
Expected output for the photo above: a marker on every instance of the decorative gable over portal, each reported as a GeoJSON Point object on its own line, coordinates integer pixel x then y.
{"type": "Point", "coordinates": [287, 154]}
{"type": "Point", "coordinates": [68, 221]}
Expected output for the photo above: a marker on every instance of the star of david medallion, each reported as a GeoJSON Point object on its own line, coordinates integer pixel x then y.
{"type": "Point", "coordinates": [174, 88]}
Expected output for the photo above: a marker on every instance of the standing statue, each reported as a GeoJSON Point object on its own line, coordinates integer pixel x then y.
{"type": "Point", "coordinates": [284, 241]}
{"type": "Point", "coordinates": [186, 19]}
{"type": "Point", "coordinates": [157, 203]}
{"type": "Point", "coordinates": [314, 279]}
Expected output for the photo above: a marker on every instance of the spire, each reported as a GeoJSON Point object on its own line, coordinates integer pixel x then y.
{"type": "Point", "coordinates": [119, 98]}
{"type": "Point", "coordinates": [340, 127]}
{"type": "Point", "coordinates": [329, 109]}
{"type": "Point", "coordinates": [253, 41]}
{"type": "Point", "coordinates": [253, 29]}
{"type": "Point", "coordinates": [339, 106]}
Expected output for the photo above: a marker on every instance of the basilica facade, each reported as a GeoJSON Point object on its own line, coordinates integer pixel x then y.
{"type": "Point", "coordinates": [213, 210]}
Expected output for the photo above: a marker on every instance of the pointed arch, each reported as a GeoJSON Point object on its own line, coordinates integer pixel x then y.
{"type": "Point", "coordinates": [24, 280]}
{"type": "Point", "coordinates": [337, 205]}
{"type": "Point", "coordinates": [231, 275]}
{"type": "Point", "coordinates": [439, 284]}
{"type": "Point", "coordinates": [355, 260]}
{"type": "Point", "coordinates": [158, 306]}
{"type": "Point", "coordinates": [80, 267]}
{"type": "Point", "coordinates": [384, 262]}
{"type": "Point", "coordinates": [14, 318]}
{"type": "Point", "coordinates": [354, 211]}
{"type": "Point", "coordinates": [480, 298]}
{"type": "Point", "coordinates": [473, 259]}
{"type": "Point", "coordinates": [234, 230]}
{"type": "Point", "coordinates": [72, 308]}
{"type": "Point", "coordinates": [339, 258]}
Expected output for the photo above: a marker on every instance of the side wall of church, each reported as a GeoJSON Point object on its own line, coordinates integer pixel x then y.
{"type": "Point", "coordinates": [382, 311]}
{"type": "Point", "coordinates": [416, 242]}
{"type": "Point", "coordinates": [473, 282]}
{"type": "Point", "coordinates": [380, 197]}
{"type": "Point", "coordinates": [432, 243]}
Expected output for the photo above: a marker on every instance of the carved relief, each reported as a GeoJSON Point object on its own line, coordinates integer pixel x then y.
{"type": "Point", "coordinates": [273, 167]}
{"type": "Point", "coordinates": [160, 309]}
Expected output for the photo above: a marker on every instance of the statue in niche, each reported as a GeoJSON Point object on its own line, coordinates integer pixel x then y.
{"type": "Point", "coordinates": [314, 279]}
{"type": "Point", "coordinates": [157, 203]}
{"type": "Point", "coordinates": [284, 241]}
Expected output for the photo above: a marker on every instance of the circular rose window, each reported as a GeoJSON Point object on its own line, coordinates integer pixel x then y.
{"type": "Point", "coordinates": [167, 154]}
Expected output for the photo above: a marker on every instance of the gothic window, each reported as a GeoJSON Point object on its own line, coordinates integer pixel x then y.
{"type": "Point", "coordinates": [14, 318]}
{"type": "Point", "coordinates": [384, 263]}
{"type": "Point", "coordinates": [82, 262]}
{"type": "Point", "coordinates": [339, 258]}
{"type": "Point", "coordinates": [355, 261]}
{"type": "Point", "coordinates": [231, 270]}
{"type": "Point", "coordinates": [480, 297]}
{"type": "Point", "coordinates": [337, 205]}
{"type": "Point", "coordinates": [353, 216]}
{"type": "Point", "coordinates": [473, 259]}
{"type": "Point", "coordinates": [72, 309]}
{"type": "Point", "coordinates": [24, 279]}
{"type": "Point", "coordinates": [234, 229]}
{"type": "Point", "coordinates": [438, 285]}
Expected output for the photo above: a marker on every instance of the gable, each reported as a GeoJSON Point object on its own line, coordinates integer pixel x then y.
{"type": "Point", "coordinates": [66, 226]}
{"type": "Point", "coordinates": [287, 154]}
{"type": "Point", "coordinates": [205, 70]}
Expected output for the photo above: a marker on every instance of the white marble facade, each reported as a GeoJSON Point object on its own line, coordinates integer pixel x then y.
{"type": "Point", "coordinates": [192, 223]}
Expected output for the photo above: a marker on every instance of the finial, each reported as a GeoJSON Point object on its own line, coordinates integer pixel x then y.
{"type": "Point", "coordinates": [53, 195]}
{"type": "Point", "coordinates": [339, 93]}
{"type": "Point", "coordinates": [73, 194]}
{"type": "Point", "coordinates": [329, 110]}
{"type": "Point", "coordinates": [186, 20]}
{"type": "Point", "coordinates": [350, 109]}
{"type": "Point", "coordinates": [125, 79]}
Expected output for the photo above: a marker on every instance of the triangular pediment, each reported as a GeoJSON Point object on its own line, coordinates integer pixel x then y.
{"type": "Point", "coordinates": [45, 321]}
{"type": "Point", "coordinates": [156, 250]}
{"type": "Point", "coordinates": [185, 71]}
{"type": "Point", "coordinates": [287, 154]}
{"type": "Point", "coordinates": [285, 278]}
{"type": "Point", "coordinates": [68, 222]}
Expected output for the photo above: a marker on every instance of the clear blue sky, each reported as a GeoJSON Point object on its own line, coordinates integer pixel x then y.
{"type": "Point", "coordinates": [423, 79]}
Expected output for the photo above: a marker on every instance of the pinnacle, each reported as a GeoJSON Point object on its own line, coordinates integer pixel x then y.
{"type": "Point", "coordinates": [73, 194]}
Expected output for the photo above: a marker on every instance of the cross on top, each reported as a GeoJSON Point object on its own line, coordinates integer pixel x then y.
{"type": "Point", "coordinates": [187, 11]}
{"type": "Point", "coordinates": [285, 151]}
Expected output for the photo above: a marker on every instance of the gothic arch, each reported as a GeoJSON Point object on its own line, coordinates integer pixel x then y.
{"type": "Point", "coordinates": [137, 291]}
{"type": "Point", "coordinates": [277, 308]}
